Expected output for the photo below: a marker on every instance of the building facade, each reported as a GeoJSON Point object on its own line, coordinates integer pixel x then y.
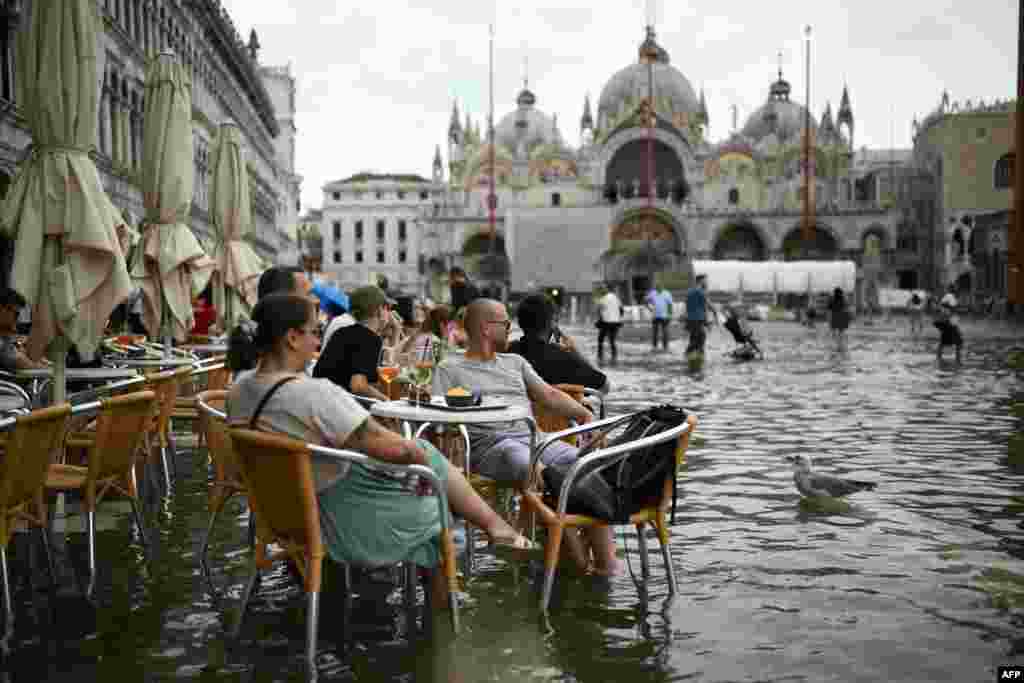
{"type": "Point", "coordinates": [227, 84]}
{"type": "Point", "coordinates": [372, 225]}
{"type": "Point", "coordinates": [645, 191]}
{"type": "Point", "coordinates": [966, 152]}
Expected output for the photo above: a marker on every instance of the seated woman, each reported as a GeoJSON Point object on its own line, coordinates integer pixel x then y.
{"type": "Point", "coordinates": [369, 516]}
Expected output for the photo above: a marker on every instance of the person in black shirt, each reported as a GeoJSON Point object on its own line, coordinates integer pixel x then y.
{"type": "Point", "coordinates": [463, 292]}
{"type": "Point", "coordinates": [552, 354]}
{"type": "Point", "coordinates": [353, 352]}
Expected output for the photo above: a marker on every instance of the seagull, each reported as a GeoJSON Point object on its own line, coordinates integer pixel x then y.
{"type": "Point", "coordinates": [812, 484]}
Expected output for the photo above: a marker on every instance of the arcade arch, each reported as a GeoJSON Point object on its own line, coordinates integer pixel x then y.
{"type": "Point", "coordinates": [823, 245]}
{"type": "Point", "coordinates": [740, 241]}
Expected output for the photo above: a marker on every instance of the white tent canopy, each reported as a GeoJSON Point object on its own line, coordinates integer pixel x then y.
{"type": "Point", "coordinates": [778, 276]}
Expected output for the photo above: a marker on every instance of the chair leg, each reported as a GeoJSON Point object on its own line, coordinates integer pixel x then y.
{"type": "Point", "coordinates": [346, 604]}
{"type": "Point", "coordinates": [246, 596]}
{"type": "Point", "coordinates": [312, 626]}
{"type": "Point", "coordinates": [410, 597]}
{"type": "Point", "coordinates": [90, 520]}
{"type": "Point", "coordinates": [8, 605]}
{"type": "Point", "coordinates": [204, 548]}
{"type": "Point", "coordinates": [666, 555]}
{"type": "Point", "coordinates": [167, 471]}
{"type": "Point", "coordinates": [44, 538]}
{"type": "Point", "coordinates": [137, 513]}
{"type": "Point", "coordinates": [645, 560]}
{"type": "Point", "coordinates": [551, 552]}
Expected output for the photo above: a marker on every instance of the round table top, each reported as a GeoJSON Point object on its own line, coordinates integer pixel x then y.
{"type": "Point", "coordinates": [97, 374]}
{"type": "Point", "coordinates": [172, 362]}
{"type": "Point", "coordinates": [404, 410]}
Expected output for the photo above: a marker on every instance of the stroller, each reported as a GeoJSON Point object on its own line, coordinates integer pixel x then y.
{"type": "Point", "coordinates": [743, 335]}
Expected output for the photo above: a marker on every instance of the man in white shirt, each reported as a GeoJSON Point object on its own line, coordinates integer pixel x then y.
{"type": "Point", "coordinates": [609, 320]}
{"type": "Point", "coordinates": [948, 324]}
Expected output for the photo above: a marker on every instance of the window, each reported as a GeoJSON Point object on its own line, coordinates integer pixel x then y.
{"type": "Point", "coordinates": [734, 196]}
{"type": "Point", "coordinates": [1004, 171]}
{"type": "Point", "coordinates": [556, 199]}
{"type": "Point", "coordinates": [378, 194]}
{"type": "Point", "coordinates": [424, 195]}
{"type": "Point", "coordinates": [359, 231]}
{"type": "Point", "coordinates": [337, 231]}
{"type": "Point", "coordinates": [380, 256]}
{"type": "Point", "coordinates": [402, 256]}
{"type": "Point", "coordinates": [981, 133]}
{"type": "Point", "coordinates": [336, 195]}
{"type": "Point", "coordinates": [401, 194]}
{"type": "Point", "coordinates": [380, 231]}
{"type": "Point", "coordinates": [359, 256]}
{"type": "Point", "coordinates": [337, 256]}
{"type": "Point", "coordinates": [402, 232]}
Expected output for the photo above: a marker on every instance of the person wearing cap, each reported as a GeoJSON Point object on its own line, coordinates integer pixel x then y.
{"type": "Point", "coordinates": [351, 356]}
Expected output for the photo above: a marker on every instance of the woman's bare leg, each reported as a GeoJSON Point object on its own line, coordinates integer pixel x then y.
{"type": "Point", "coordinates": [467, 503]}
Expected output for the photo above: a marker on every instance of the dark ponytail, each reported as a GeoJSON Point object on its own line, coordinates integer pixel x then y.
{"type": "Point", "coordinates": [272, 318]}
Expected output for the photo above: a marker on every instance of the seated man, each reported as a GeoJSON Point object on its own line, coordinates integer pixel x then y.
{"type": "Point", "coordinates": [351, 358]}
{"type": "Point", "coordinates": [11, 357]}
{"type": "Point", "coordinates": [552, 354]}
{"type": "Point", "coordinates": [502, 451]}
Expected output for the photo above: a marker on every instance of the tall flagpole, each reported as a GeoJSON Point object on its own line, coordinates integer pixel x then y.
{"type": "Point", "coordinates": [807, 228]}
{"type": "Point", "coordinates": [1015, 243]}
{"type": "Point", "coordinates": [492, 198]}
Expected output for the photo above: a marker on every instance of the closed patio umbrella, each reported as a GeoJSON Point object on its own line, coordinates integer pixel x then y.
{"type": "Point", "coordinates": [238, 265]}
{"type": "Point", "coordinates": [67, 261]}
{"type": "Point", "coordinates": [171, 266]}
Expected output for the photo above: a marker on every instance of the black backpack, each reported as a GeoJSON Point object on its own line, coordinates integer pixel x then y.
{"type": "Point", "coordinates": [631, 484]}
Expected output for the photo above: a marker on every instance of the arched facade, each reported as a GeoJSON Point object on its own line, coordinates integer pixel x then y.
{"type": "Point", "coordinates": [628, 136]}
{"type": "Point", "coordinates": [823, 246]}
{"type": "Point", "coordinates": [634, 164]}
{"type": "Point", "coordinates": [740, 241]}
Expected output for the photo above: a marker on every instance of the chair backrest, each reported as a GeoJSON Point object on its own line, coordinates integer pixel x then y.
{"type": "Point", "coordinates": [165, 386]}
{"type": "Point", "coordinates": [225, 464]}
{"type": "Point", "coordinates": [16, 398]}
{"type": "Point", "coordinates": [34, 441]}
{"type": "Point", "coordinates": [282, 494]}
{"type": "Point", "coordinates": [550, 422]}
{"type": "Point", "coordinates": [120, 428]}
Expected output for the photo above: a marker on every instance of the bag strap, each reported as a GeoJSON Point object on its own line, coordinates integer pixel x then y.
{"type": "Point", "coordinates": [266, 397]}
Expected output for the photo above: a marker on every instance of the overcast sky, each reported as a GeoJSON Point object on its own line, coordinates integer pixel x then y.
{"type": "Point", "coordinates": [376, 80]}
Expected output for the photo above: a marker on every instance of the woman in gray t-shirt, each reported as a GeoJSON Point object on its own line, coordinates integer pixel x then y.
{"type": "Point", "coordinates": [369, 516]}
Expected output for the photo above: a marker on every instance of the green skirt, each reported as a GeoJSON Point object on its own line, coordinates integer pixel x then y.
{"type": "Point", "coordinates": [371, 519]}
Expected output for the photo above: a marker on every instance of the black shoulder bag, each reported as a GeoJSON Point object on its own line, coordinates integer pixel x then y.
{"type": "Point", "coordinates": [631, 484]}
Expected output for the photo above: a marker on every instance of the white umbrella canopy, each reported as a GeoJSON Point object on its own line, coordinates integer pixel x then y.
{"type": "Point", "coordinates": [68, 263]}
{"type": "Point", "coordinates": [238, 265]}
{"type": "Point", "coordinates": [171, 266]}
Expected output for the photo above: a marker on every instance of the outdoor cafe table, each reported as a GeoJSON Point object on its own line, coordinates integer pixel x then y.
{"type": "Point", "coordinates": [425, 415]}
{"type": "Point", "coordinates": [38, 377]}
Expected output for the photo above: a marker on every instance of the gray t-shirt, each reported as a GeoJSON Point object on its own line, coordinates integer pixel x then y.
{"type": "Point", "coordinates": [312, 410]}
{"type": "Point", "coordinates": [502, 380]}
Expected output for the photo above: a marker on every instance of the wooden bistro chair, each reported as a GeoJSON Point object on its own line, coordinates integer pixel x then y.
{"type": "Point", "coordinates": [553, 515]}
{"type": "Point", "coordinates": [205, 377]}
{"type": "Point", "coordinates": [111, 452]}
{"type": "Point", "coordinates": [227, 481]}
{"type": "Point", "coordinates": [282, 495]}
{"type": "Point", "coordinates": [26, 455]}
{"type": "Point", "coordinates": [158, 433]}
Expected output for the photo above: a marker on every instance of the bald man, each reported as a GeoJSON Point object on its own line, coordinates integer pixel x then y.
{"type": "Point", "coordinates": [502, 451]}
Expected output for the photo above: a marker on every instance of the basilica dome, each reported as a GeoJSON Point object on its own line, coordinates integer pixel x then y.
{"type": "Point", "coordinates": [526, 128]}
{"type": "Point", "coordinates": [624, 91]}
{"type": "Point", "coordinates": [779, 117]}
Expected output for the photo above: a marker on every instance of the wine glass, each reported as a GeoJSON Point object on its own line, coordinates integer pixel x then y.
{"type": "Point", "coordinates": [387, 368]}
{"type": "Point", "coordinates": [423, 370]}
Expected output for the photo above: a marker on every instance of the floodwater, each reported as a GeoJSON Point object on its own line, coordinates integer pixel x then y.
{"type": "Point", "coordinates": [919, 580]}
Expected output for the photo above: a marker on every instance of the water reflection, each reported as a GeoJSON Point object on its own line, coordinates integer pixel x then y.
{"type": "Point", "coordinates": [920, 579]}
